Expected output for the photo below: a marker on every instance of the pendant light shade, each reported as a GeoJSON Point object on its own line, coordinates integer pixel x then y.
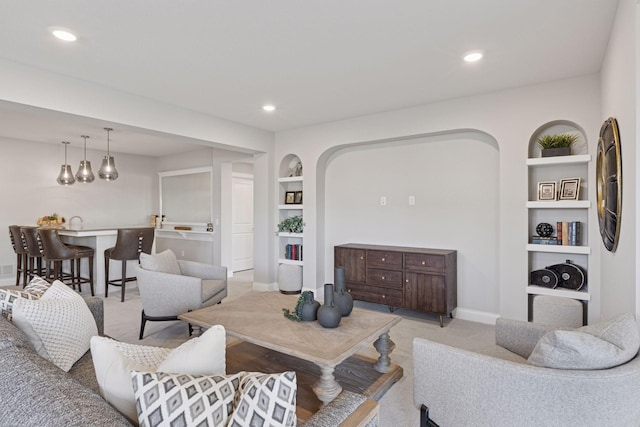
{"type": "Point", "coordinates": [108, 170]}
{"type": "Point", "coordinates": [66, 175]}
{"type": "Point", "coordinates": [85, 174]}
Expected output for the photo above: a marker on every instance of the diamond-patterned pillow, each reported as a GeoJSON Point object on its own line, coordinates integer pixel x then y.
{"type": "Point", "coordinates": [33, 290]}
{"type": "Point", "coordinates": [266, 400]}
{"type": "Point", "coordinates": [184, 400]}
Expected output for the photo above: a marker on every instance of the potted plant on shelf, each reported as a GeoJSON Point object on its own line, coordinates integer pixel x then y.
{"type": "Point", "coordinates": [293, 224]}
{"type": "Point", "coordinates": [557, 145]}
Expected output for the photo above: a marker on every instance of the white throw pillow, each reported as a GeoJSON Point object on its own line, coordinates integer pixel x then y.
{"type": "Point", "coordinates": [602, 345]}
{"type": "Point", "coordinates": [171, 400]}
{"type": "Point", "coordinates": [164, 262]}
{"type": "Point", "coordinates": [266, 399]}
{"type": "Point", "coordinates": [59, 325]}
{"type": "Point", "coordinates": [114, 361]}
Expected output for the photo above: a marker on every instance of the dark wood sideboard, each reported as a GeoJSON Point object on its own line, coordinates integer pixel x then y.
{"type": "Point", "coordinates": [415, 278]}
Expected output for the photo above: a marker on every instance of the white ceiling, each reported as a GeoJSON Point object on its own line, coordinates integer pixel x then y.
{"type": "Point", "coordinates": [316, 60]}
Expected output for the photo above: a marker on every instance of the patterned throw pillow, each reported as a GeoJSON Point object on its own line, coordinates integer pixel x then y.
{"type": "Point", "coordinates": [266, 400]}
{"type": "Point", "coordinates": [184, 400]}
{"type": "Point", "coordinates": [59, 325]}
{"type": "Point", "coordinates": [8, 298]}
{"type": "Point", "coordinates": [33, 290]}
{"type": "Point", "coordinates": [37, 286]}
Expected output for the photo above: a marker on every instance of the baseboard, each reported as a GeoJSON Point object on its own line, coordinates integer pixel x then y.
{"type": "Point", "coordinates": [476, 316]}
{"type": "Point", "coordinates": [9, 281]}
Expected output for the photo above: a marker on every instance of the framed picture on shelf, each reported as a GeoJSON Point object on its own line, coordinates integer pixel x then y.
{"type": "Point", "coordinates": [547, 190]}
{"type": "Point", "coordinates": [570, 189]}
{"type": "Point", "coordinates": [289, 197]}
{"type": "Point", "coordinates": [298, 198]}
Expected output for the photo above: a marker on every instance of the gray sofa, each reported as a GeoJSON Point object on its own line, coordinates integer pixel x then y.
{"type": "Point", "coordinates": [34, 392]}
{"type": "Point", "coordinates": [463, 388]}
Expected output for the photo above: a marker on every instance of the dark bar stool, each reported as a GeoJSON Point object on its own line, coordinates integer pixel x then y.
{"type": "Point", "coordinates": [56, 251]}
{"type": "Point", "coordinates": [34, 252]}
{"type": "Point", "coordinates": [129, 243]}
{"type": "Point", "coordinates": [20, 248]}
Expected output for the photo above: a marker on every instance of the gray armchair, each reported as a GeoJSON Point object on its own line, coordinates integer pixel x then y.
{"type": "Point", "coordinates": [463, 388]}
{"type": "Point", "coordinates": [166, 296]}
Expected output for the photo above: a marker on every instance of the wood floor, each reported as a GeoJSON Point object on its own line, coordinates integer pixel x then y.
{"type": "Point", "coordinates": [355, 374]}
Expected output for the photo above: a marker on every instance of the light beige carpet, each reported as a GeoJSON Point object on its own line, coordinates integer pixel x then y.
{"type": "Point", "coordinates": [122, 322]}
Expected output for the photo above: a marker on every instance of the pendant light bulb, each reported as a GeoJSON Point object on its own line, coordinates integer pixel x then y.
{"type": "Point", "coordinates": [66, 175]}
{"type": "Point", "coordinates": [85, 174]}
{"type": "Point", "coordinates": [108, 170]}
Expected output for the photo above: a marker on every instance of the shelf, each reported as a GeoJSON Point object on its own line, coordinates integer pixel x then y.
{"type": "Point", "coordinates": [284, 234]}
{"type": "Point", "coordinates": [561, 249]}
{"type": "Point", "coordinates": [560, 204]}
{"type": "Point", "coordinates": [290, 207]}
{"type": "Point", "coordinates": [559, 160]}
{"type": "Point", "coordinates": [558, 292]}
{"type": "Point", "coordinates": [290, 179]}
{"type": "Point", "coordinates": [290, 261]}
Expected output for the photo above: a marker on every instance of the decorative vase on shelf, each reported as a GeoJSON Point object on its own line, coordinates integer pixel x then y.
{"type": "Point", "coordinates": [310, 306]}
{"type": "Point", "coordinates": [342, 299]}
{"type": "Point", "coordinates": [328, 314]}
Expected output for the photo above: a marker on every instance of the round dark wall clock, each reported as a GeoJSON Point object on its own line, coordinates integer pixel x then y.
{"type": "Point", "coordinates": [609, 184]}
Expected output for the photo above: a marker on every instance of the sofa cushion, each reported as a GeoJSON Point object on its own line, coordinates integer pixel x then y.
{"type": "Point", "coordinates": [164, 262]}
{"type": "Point", "coordinates": [59, 325]}
{"type": "Point", "coordinates": [266, 399]}
{"type": "Point", "coordinates": [114, 361]}
{"type": "Point", "coordinates": [164, 399]}
{"type": "Point", "coordinates": [599, 346]}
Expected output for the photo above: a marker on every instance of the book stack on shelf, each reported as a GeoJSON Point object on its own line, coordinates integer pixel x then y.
{"type": "Point", "coordinates": [567, 234]}
{"type": "Point", "coordinates": [293, 252]}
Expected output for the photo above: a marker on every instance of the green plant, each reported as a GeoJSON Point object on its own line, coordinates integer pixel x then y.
{"type": "Point", "coordinates": [296, 314]}
{"type": "Point", "coordinates": [557, 141]}
{"type": "Point", "coordinates": [292, 224]}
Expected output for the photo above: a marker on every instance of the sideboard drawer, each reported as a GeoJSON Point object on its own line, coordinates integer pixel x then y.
{"type": "Point", "coordinates": [384, 259]}
{"type": "Point", "coordinates": [425, 263]}
{"type": "Point", "coordinates": [391, 297]}
{"type": "Point", "coordinates": [384, 278]}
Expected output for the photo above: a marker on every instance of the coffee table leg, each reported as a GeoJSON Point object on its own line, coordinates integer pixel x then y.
{"type": "Point", "coordinates": [385, 346]}
{"type": "Point", "coordinates": [327, 388]}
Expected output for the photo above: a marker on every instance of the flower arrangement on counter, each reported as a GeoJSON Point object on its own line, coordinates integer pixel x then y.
{"type": "Point", "coordinates": [53, 221]}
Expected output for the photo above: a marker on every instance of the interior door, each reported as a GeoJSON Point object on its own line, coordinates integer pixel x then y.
{"type": "Point", "coordinates": [242, 227]}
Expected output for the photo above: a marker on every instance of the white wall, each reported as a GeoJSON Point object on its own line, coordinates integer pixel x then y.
{"type": "Point", "coordinates": [29, 189]}
{"type": "Point", "coordinates": [618, 85]}
{"type": "Point", "coordinates": [510, 117]}
{"type": "Point", "coordinates": [454, 180]}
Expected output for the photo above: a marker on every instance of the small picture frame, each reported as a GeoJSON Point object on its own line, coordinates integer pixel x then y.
{"type": "Point", "coordinates": [289, 197]}
{"type": "Point", "coordinates": [547, 190]}
{"type": "Point", "coordinates": [569, 189]}
{"type": "Point", "coordinates": [298, 198]}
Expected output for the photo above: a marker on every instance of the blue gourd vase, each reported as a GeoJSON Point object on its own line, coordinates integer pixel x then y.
{"type": "Point", "coordinates": [328, 314]}
{"type": "Point", "coordinates": [342, 298]}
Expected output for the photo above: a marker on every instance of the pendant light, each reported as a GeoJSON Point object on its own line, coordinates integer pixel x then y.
{"type": "Point", "coordinates": [66, 175]}
{"type": "Point", "coordinates": [85, 175]}
{"type": "Point", "coordinates": [108, 170]}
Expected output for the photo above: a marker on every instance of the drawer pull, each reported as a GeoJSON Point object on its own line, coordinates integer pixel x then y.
{"type": "Point", "coordinates": [382, 277]}
{"type": "Point", "coordinates": [384, 259]}
{"type": "Point", "coordinates": [424, 262]}
{"type": "Point", "coordinates": [406, 280]}
{"type": "Point", "coordinates": [384, 296]}
{"type": "Point", "coordinates": [349, 290]}
{"type": "Point", "coordinates": [361, 257]}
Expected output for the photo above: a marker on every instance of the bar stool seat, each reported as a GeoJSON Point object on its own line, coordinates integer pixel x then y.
{"type": "Point", "coordinates": [56, 251]}
{"type": "Point", "coordinates": [34, 253]}
{"type": "Point", "coordinates": [130, 242]}
{"type": "Point", "coordinates": [20, 248]}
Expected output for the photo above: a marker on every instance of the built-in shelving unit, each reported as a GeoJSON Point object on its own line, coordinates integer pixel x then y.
{"type": "Point", "coordinates": [555, 169]}
{"type": "Point", "coordinates": [290, 181]}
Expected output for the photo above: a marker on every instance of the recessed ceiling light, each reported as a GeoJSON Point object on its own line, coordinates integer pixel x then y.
{"type": "Point", "coordinates": [269, 108]}
{"type": "Point", "coordinates": [63, 34]}
{"type": "Point", "coordinates": [473, 56]}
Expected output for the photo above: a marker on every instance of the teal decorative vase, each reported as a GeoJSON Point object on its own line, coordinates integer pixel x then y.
{"type": "Point", "coordinates": [342, 298]}
{"type": "Point", "coordinates": [328, 314]}
{"type": "Point", "coordinates": [310, 306]}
